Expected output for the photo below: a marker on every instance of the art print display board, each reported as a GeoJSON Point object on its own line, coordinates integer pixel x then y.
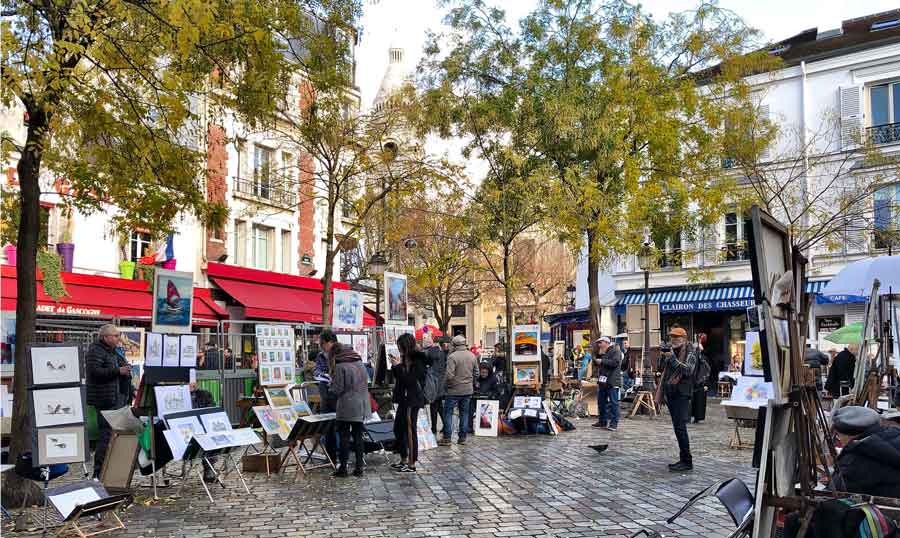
{"type": "Point", "coordinates": [526, 343]}
{"type": "Point", "coordinates": [752, 354]}
{"type": "Point", "coordinates": [347, 312]}
{"type": "Point", "coordinates": [487, 413]}
{"type": "Point", "coordinates": [56, 400]}
{"type": "Point", "coordinates": [361, 346]}
{"type": "Point", "coordinates": [427, 440]}
{"type": "Point", "coordinates": [172, 399]}
{"type": "Point", "coordinates": [396, 299]}
{"type": "Point", "coordinates": [275, 348]}
{"type": "Point", "coordinates": [54, 365]}
{"type": "Point", "coordinates": [173, 301]}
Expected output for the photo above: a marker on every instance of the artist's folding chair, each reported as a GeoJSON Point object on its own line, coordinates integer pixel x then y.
{"type": "Point", "coordinates": [380, 433]}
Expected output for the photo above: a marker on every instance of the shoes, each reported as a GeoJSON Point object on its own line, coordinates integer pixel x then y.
{"type": "Point", "coordinates": [358, 471]}
{"type": "Point", "coordinates": [461, 441]}
{"type": "Point", "coordinates": [612, 428]}
{"type": "Point", "coordinates": [397, 466]}
{"type": "Point", "coordinates": [340, 472]}
{"type": "Point", "coordinates": [407, 469]}
{"type": "Point", "coordinates": [681, 466]}
{"type": "Point", "coordinates": [598, 425]}
{"type": "Point", "coordinates": [209, 478]}
{"type": "Point", "coordinates": [599, 448]}
{"type": "Point", "coordinates": [671, 465]}
{"type": "Point", "coordinates": [445, 442]}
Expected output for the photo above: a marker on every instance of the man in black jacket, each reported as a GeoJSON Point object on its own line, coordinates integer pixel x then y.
{"type": "Point", "coordinates": [678, 385]}
{"type": "Point", "coordinates": [608, 364]}
{"type": "Point", "coordinates": [869, 463]}
{"type": "Point", "coordinates": [841, 371]}
{"type": "Point", "coordinates": [435, 359]}
{"type": "Point", "coordinates": [104, 369]}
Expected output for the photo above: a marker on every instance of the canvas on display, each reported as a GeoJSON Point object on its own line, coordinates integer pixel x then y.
{"type": "Point", "coordinates": [526, 374]}
{"type": "Point", "coordinates": [345, 339]}
{"type": "Point", "coordinates": [526, 343]}
{"type": "Point", "coordinates": [301, 408]}
{"type": "Point", "coordinates": [172, 399]}
{"type": "Point", "coordinates": [396, 299]}
{"type": "Point", "coordinates": [171, 350]}
{"type": "Point", "coordinates": [189, 350]}
{"type": "Point", "coordinates": [154, 350]}
{"type": "Point", "coordinates": [54, 364]}
{"type": "Point", "coordinates": [752, 354]}
{"type": "Point", "coordinates": [361, 346]}
{"type": "Point", "coordinates": [533, 402]}
{"type": "Point", "coordinates": [216, 422]}
{"type": "Point", "coordinates": [487, 413]}
{"type": "Point", "coordinates": [288, 417]}
{"type": "Point", "coordinates": [58, 407]}
{"type": "Point", "coordinates": [275, 347]}
{"type": "Point", "coordinates": [62, 444]}
{"type": "Point", "coordinates": [65, 499]}
{"type": "Point", "coordinates": [132, 339]}
{"type": "Point", "coordinates": [173, 301]}
{"type": "Point", "coordinates": [244, 437]}
{"type": "Point", "coordinates": [214, 441]}
{"type": "Point", "coordinates": [278, 397]}
{"type": "Point", "coordinates": [271, 421]}
{"type": "Point", "coordinates": [347, 312]}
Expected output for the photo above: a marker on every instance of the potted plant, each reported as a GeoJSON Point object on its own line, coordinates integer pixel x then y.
{"type": "Point", "coordinates": [126, 268]}
{"type": "Point", "coordinates": [65, 247]}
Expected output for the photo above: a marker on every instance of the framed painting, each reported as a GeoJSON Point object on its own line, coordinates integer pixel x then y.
{"type": "Point", "coordinates": [173, 301]}
{"type": "Point", "coordinates": [132, 339]}
{"type": "Point", "coordinates": [216, 422]}
{"type": "Point", "coordinates": [63, 444]}
{"type": "Point", "coordinates": [172, 399]}
{"type": "Point", "coordinates": [54, 364]}
{"type": "Point", "coordinates": [347, 312]}
{"type": "Point", "coordinates": [154, 350]}
{"type": "Point", "coordinates": [487, 416]}
{"type": "Point", "coordinates": [57, 407]}
{"type": "Point", "coordinates": [278, 397]}
{"type": "Point", "coordinates": [361, 346]}
{"type": "Point", "coordinates": [526, 343]}
{"type": "Point", "coordinates": [396, 299]}
{"type": "Point", "coordinates": [526, 375]}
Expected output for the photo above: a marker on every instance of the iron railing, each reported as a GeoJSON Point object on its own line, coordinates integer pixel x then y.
{"type": "Point", "coordinates": [884, 134]}
{"type": "Point", "coordinates": [267, 190]}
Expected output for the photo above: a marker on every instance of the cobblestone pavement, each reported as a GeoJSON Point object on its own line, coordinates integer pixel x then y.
{"type": "Point", "coordinates": [506, 486]}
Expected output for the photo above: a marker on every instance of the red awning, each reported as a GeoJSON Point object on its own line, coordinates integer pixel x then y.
{"type": "Point", "coordinates": [103, 297]}
{"type": "Point", "coordinates": [275, 296]}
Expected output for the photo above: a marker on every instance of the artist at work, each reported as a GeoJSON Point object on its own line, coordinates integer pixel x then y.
{"type": "Point", "coordinates": [679, 362]}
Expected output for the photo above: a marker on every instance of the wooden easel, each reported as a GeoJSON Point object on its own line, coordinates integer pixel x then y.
{"type": "Point", "coordinates": [303, 431]}
{"type": "Point", "coordinates": [644, 399]}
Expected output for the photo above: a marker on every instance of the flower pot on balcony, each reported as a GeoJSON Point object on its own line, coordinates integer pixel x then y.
{"type": "Point", "coordinates": [169, 264]}
{"type": "Point", "coordinates": [67, 253]}
{"type": "Point", "coordinates": [10, 251]}
{"type": "Point", "coordinates": [126, 270]}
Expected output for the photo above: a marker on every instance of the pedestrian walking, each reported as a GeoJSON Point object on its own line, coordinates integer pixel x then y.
{"type": "Point", "coordinates": [106, 373]}
{"type": "Point", "coordinates": [462, 369]}
{"type": "Point", "coordinates": [435, 360]}
{"type": "Point", "coordinates": [349, 388]}
{"type": "Point", "coordinates": [409, 380]}
{"type": "Point", "coordinates": [679, 362]}
{"type": "Point", "coordinates": [698, 397]}
{"type": "Point", "coordinates": [608, 364]}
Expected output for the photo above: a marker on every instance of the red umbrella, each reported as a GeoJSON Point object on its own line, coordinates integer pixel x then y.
{"type": "Point", "coordinates": [428, 329]}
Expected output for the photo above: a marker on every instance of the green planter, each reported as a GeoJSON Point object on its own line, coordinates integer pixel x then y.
{"type": "Point", "coordinates": [126, 270]}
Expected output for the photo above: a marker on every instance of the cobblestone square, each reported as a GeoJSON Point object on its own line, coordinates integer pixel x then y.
{"type": "Point", "coordinates": [507, 486]}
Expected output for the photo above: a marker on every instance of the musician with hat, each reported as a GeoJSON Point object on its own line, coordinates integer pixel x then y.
{"type": "Point", "coordinates": [678, 361]}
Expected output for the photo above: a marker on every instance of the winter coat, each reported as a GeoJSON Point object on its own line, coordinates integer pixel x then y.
{"type": "Point", "coordinates": [436, 359]}
{"type": "Point", "coordinates": [487, 388]}
{"type": "Point", "coordinates": [462, 369]}
{"type": "Point", "coordinates": [871, 465]}
{"type": "Point", "coordinates": [409, 381]}
{"type": "Point", "coordinates": [322, 371]}
{"type": "Point", "coordinates": [350, 385]}
{"type": "Point", "coordinates": [611, 366]}
{"type": "Point", "coordinates": [679, 372]}
{"type": "Point", "coordinates": [841, 371]}
{"type": "Point", "coordinates": [102, 370]}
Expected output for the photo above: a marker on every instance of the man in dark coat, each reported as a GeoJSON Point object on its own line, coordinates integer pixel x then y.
{"type": "Point", "coordinates": [841, 371]}
{"type": "Point", "coordinates": [436, 360]}
{"type": "Point", "coordinates": [608, 365]}
{"type": "Point", "coordinates": [870, 460]}
{"type": "Point", "coordinates": [104, 368]}
{"type": "Point", "coordinates": [678, 384]}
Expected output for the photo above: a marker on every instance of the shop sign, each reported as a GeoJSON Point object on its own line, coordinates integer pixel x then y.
{"type": "Point", "coordinates": [829, 323]}
{"type": "Point", "coordinates": [705, 306]}
{"type": "Point", "coordinates": [67, 309]}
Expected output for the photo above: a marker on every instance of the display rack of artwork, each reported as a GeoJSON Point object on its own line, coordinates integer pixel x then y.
{"type": "Point", "coordinates": [171, 350]}
{"type": "Point", "coordinates": [56, 398]}
{"type": "Point", "coordinates": [86, 508]}
{"type": "Point", "coordinates": [276, 346]}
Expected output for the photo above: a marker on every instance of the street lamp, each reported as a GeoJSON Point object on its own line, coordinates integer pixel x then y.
{"type": "Point", "coordinates": [378, 263]}
{"type": "Point", "coordinates": [570, 294]}
{"type": "Point", "coordinates": [645, 261]}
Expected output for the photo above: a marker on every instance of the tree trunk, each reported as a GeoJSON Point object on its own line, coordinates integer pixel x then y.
{"type": "Point", "coordinates": [507, 294]}
{"type": "Point", "coordinates": [442, 316]}
{"type": "Point", "coordinates": [593, 278]}
{"type": "Point", "coordinates": [330, 252]}
{"type": "Point", "coordinates": [29, 168]}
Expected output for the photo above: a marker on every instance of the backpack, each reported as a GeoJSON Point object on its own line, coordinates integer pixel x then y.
{"type": "Point", "coordinates": [701, 372]}
{"type": "Point", "coordinates": [430, 390]}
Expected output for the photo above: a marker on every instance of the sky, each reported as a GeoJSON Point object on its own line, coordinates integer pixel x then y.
{"type": "Point", "coordinates": [405, 22]}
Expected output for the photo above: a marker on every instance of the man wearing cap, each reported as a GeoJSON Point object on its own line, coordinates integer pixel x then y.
{"type": "Point", "coordinates": [608, 362]}
{"type": "Point", "coordinates": [462, 369]}
{"type": "Point", "coordinates": [678, 366]}
{"type": "Point", "coordinates": [869, 463]}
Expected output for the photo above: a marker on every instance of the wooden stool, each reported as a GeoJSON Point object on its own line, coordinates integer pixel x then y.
{"type": "Point", "coordinates": [724, 389]}
{"type": "Point", "coordinates": [644, 399]}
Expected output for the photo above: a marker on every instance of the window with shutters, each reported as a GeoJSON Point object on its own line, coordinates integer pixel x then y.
{"type": "Point", "coordinates": [886, 217]}
{"type": "Point", "coordinates": [286, 251]}
{"type": "Point", "coordinates": [884, 111]}
{"type": "Point", "coordinates": [737, 231]}
{"type": "Point", "coordinates": [850, 100]}
{"type": "Point", "coordinates": [263, 247]}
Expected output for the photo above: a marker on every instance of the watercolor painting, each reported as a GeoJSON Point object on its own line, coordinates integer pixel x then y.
{"type": "Point", "coordinates": [56, 407]}
{"type": "Point", "coordinates": [173, 297]}
{"type": "Point", "coordinates": [396, 298]}
{"type": "Point", "coordinates": [55, 365]}
{"type": "Point", "coordinates": [347, 312]}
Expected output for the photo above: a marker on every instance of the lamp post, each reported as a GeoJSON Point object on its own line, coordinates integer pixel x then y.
{"type": "Point", "coordinates": [570, 296]}
{"type": "Point", "coordinates": [645, 261]}
{"type": "Point", "coordinates": [377, 266]}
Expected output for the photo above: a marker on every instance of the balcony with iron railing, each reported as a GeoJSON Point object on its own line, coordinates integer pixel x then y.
{"type": "Point", "coordinates": [268, 190]}
{"type": "Point", "coordinates": [888, 133]}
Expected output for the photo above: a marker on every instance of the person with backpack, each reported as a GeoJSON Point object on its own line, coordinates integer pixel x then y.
{"type": "Point", "coordinates": [679, 363]}
{"type": "Point", "coordinates": [409, 395]}
{"type": "Point", "coordinates": [436, 361]}
{"type": "Point", "coordinates": [701, 378]}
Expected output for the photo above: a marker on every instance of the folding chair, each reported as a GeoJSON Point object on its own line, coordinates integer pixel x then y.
{"type": "Point", "coordinates": [734, 496]}
{"type": "Point", "coordinates": [380, 433]}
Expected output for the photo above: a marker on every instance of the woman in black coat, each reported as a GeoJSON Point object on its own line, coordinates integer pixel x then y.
{"type": "Point", "coordinates": [409, 381]}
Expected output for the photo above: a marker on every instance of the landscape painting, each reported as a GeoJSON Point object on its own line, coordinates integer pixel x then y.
{"type": "Point", "coordinates": [173, 298]}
